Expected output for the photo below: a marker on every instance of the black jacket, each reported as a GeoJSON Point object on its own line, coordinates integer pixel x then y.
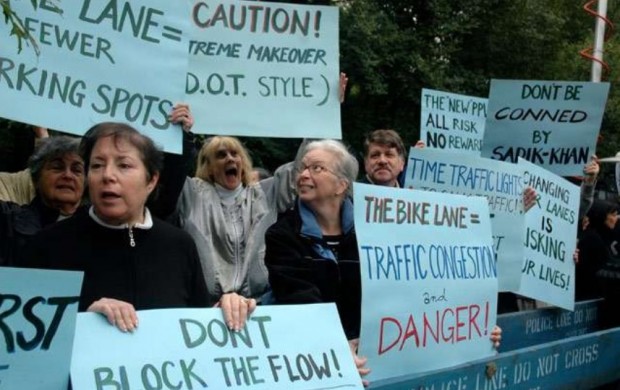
{"type": "Point", "coordinates": [299, 273]}
{"type": "Point", "coordinates": [18, 225]}
{"type": "Point", "coordinates": [161, 270]}
{"type": "Point", "coordinates": [594, 252]}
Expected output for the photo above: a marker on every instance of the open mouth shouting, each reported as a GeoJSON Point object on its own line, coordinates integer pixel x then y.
{"type": "Point", "coordinates": [109, 196]}
{"type": "Point", "coordinates": [231, 172]}
{"type": "Point", "coordinates": [231, 177]}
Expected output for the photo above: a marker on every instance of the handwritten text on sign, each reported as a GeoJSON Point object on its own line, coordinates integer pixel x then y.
{"type": "Point", "coordinates": [552, 124]}
{"type": "Point", "coordinates": [432, 248]}
{"type": "Point", "coordinates": [92, 63]}
{"type": "Point", "coordinates": [37, 319]}
{"type": "Point", "coordinates": [548, 272]}
{"type": "Point", "coordinates": [195, 349]}
{"type": "Point", "coordinates": [248, 59]}
{"type": "Point", "coordinates": [502, 185]}
{"type": "Point", "coordinates": [451, 121]}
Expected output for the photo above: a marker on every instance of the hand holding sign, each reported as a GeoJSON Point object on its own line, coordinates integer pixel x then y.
{"type": "Point", "coordinates": [496, 336]}
{"type": "Point", "coordinates": [529, 198]}
{"type": "Point", "coordinates": [236, 310]}
{"type": "Point", "coordinates": [591, 170]}
{"type": "Point", "coordinates": [181, 114]}
{"type": "Point", "coordinates": [121, 314]}
{"type": "Point", "coordinates": [343, 86]}
{"type": "Point", "coordinates": [360, 361]}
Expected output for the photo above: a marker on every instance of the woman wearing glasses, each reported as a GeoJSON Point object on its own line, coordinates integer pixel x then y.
{"type": "Point", "coordinates": [311, 252]}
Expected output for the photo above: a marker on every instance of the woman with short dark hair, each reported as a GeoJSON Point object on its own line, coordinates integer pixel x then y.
{"type": "Point", "coordinates": [131, 260]}
{"type": "Point", "coordinates": [57, 172]}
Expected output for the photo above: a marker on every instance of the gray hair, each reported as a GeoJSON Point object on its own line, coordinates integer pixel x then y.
{"type": "Point", "coordinates": [345, 164]}
{"type": "Point", "coordinates": [49, 149]}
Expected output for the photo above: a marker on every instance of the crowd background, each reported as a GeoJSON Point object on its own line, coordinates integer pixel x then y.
{"type": "Point", "coordinates": [390, 50]}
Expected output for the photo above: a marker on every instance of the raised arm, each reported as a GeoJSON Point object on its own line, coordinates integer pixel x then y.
{"type": "Point", "coordinates": [176, 167]}
{"type": "Point", "coordinates": [586, 198]}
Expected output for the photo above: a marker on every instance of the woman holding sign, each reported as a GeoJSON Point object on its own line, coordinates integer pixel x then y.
{"type": "Point", "coordinates": [227, 213]}
{"type": "Point", "coordinates": [311, 252]}
{"type": "Point", "coordinates": [131, 261]}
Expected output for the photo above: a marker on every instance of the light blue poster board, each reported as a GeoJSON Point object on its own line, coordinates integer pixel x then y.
{"type": "Point", "coordinates": [452, 122]}
{"type": "Point", "coordinates": [264, 69]}
{"type": "Point", "coordinates": [553, 124]}
{"type": "Point", "coordinates": [548, 272]}
{"type": "Point", "coordinates": [429, 286]}
{"type": "Point", "coordinates": [122, 61]}
{"type": "Point", "coordinates": [37, 319]}
{"type": "Point", "coordinates": [502, 185]}
{"type": "Point", "coordinates": [281, 347]}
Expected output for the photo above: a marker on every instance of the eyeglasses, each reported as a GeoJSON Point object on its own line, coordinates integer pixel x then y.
{"type": "Point", "coordinates": [314, 169]}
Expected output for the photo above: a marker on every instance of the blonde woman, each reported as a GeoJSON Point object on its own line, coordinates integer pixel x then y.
{"type": "Point", "coordinates": [227, 213]}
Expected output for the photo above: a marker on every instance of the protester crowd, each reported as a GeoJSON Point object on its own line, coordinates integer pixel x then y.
{"type": "Point", "coordinates": [220, 236]}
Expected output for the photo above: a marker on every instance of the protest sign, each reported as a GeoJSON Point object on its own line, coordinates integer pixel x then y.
{"type": "Point", "coordinates": [581, 362]}
{"type": "Point", "coordinates": [281, 347]}
{"type": "Point", "coordinates": [37, 319]}
{"type": "Point", "coordinates": [553, 124]}
{"type": "Point", "coordinates": [548, 272]}
{"type": "Point", "coordinates": [502, 185]}
{"type": "Point", "coordinates": [122, 61]}
{"type": "Point", "coordinates": [451, 121]}
{"type": "Point", "coordinates": [264, 69]}
{"type": "Point", "coordinates": [429, 281]}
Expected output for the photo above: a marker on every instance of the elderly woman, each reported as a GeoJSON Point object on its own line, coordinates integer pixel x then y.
{"type": "Point", "coordinates": [57, 172]}
{"type": "Point", "coordinates": [311, 252]}
{"type": "Point", "coordinates": [227, 214]}
{"type": "Point", "coordinates": [131, 261]}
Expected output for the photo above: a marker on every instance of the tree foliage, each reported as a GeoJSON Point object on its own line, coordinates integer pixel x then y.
{"type": "Point", "coordinates": [17, 29]}
{"type": "Point", "coordinates": [391, 50]}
